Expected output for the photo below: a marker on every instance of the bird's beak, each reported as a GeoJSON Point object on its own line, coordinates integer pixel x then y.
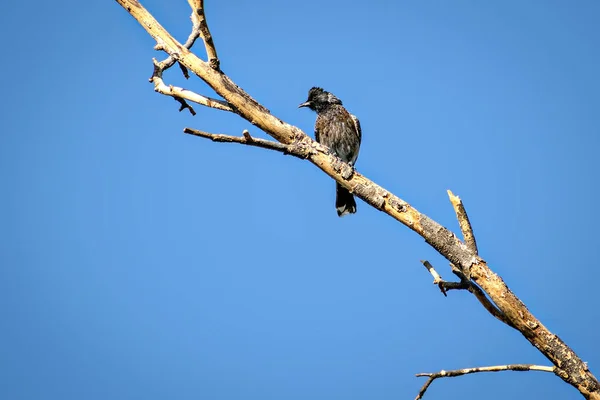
{"type": "Point", "coordinates": [306, 104]}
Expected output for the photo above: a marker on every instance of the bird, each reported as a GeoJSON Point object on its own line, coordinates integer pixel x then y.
{"type": "Point", "coordinates": [340, 131]}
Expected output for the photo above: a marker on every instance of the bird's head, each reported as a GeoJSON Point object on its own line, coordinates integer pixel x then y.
{"type": "Point", "coordinates": [319, 99]}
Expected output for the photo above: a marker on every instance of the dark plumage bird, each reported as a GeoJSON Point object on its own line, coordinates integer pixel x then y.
{"type": "Point", "coordinates": [339, 130]}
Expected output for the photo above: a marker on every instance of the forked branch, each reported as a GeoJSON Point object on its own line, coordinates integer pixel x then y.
{"type": "Point", "coordinates": [465, 283]}
{"type": "Point", "coordinates": [199, 29]}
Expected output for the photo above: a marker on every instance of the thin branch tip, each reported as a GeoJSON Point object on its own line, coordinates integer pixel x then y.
{"type": "Point", "coordinates": [437, 279]}
{"type": "Point", "coordinates": [465, 371]}
{"type": "Point", "coordinates": [452, 195]}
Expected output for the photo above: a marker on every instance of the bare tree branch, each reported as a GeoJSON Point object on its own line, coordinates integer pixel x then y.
{"type": "Point", "coordinates": [244, 139]}
{"type": "Point", "coordinates": [568, 365]}
{"type": "Point", "coordinates": [181, 93]}
{"type": "Point", "coordinates": [488, 305]}
{"type": "Point", "coordinates": [437, 279]}
{"type": "Point", "coordinates": [194, 34]}
{"type": "Point", "coordinates": [184, 104]}
{"type": "Point", "coordinates": [463, 221]}
{"type": "Point", "coordinates": [199, 18]}
{"type": "Point", "coordinates": [471, 243]}
{"type": "Point", "coordinates": [464, 284]}
{"type": "Point", "coordinates": [498, 368]}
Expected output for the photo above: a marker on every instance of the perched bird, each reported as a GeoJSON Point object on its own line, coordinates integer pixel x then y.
{"type": "Point", "coordinates": [339, 130]}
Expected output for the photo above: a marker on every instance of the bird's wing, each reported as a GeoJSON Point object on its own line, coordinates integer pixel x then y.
{"type": "Point", "coordinates": [318, 124]}
{"type": "Point", "coordinates": [357, 126]}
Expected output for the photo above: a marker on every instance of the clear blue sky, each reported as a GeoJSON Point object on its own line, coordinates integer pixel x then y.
{"type": "Point", "coordinates": [139, 262]}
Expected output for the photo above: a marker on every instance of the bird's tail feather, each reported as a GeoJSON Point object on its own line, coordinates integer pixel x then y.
{"type": "Point", "coordinates": [344, 201]}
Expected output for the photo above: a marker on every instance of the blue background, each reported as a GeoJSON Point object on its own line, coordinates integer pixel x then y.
{"type": "Point", "coordinates": [140, 262]}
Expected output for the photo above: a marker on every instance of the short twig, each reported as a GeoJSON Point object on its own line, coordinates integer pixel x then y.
{"type": "Point", "coordinates": [181, 93]}
{"type": "Point", "coordinates": [198, 16]}
{"type": "Point", "coordinates": [497, 368]}
{"type": "Point", "coordinates": [437, 279]}
{"type": "Point", "coordinates": [184, 105]}
{"type": "Point", "coordinates": [442, 284]}
{"type": "Point", "coordinates": [465, 228]}
{"type": "Point", "coordinates": [245, 139]}
{"type": "Point", "coordinates": [463, 221]}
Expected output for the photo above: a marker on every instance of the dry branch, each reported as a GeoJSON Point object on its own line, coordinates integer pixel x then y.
{"type": "Point", "coordinates": [244, 139]}
{"type": "Point", "coordinates": [465, 283]}
{"type": "Point", "coordinates": [181, 93]}
{"type": "Point", "coordinates": [463, 221]}
{"type": "Point", "coordinates": [199, 19]}
{"type": "Point", "coordinates": [568, 365]}
{"type": "Point", "coordinates": [497, 368]}
{"type": "Point", "coordinates": [184, 105]}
